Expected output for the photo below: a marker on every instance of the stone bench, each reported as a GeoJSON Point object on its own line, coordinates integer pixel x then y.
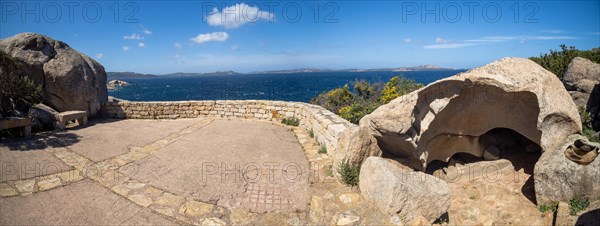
{"type": "Point", "coordinates": [64, 117]}
{"type": "Point", "coordinates": [24, 125]}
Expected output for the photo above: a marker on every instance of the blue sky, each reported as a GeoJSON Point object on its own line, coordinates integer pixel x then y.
{"type": "Point", "coordinates": [203, 36]}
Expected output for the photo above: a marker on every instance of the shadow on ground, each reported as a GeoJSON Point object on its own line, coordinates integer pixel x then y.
{"type": "Point", "coordinates": [589, 218]}
{"type": "Point", "coordinates": [46, 139]}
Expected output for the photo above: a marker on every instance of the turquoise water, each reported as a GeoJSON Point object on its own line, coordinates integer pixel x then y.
{"type": "Point", "coordinates": [288, 87]}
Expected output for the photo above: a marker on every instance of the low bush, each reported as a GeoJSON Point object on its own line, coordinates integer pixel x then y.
{"type": "Point", "coordinates": [311, 133]}
{"type": "Point", "coordinates": [354, 104]}
{"type": "Point", "coordinates": [577, 205]}
{"type": "Point", "coordinates": [290, 121]}
{"type": "Point", "coordinates": [323, 149]}
{"type": "Point", "coordinates": [17, 91]}
{"type": "Point", "coordinates": [545, 208]}
{"type": "Point", "coordinates": [586, 125]}
{"type": "Point", "coordinates": [557, 61]}
{"type": "Point", "coordinates": [349, 173]}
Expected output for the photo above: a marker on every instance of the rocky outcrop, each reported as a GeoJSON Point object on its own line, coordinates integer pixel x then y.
{"type": "Point", "coordinates": [581, 77]}
{"type": "Point", "coordinates": [115, 84]}
{"type": "Point", "coordinates": [401, 191]}
{"type": "Point", "coordinates": [461, 113]}
{"type": "Point", "coordinates": [560, 176]}
{"type": "Point", "coordinates": [70, 80]}
{"type": "Point", "coordinates": [363, 147]}
{"type": "Point", "coordinates": [581, 80]}
{"type": "Point", "coordinates": [45, 116]}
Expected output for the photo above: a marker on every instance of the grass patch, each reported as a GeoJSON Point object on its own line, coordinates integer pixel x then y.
{"type": "Point", "coordinates": [291, 121]}
{"type": "Point", "coordinates": [311, 133]}
{"type": "Point", "coordinates": [323, 149]}
{"type": "Point", "coordinates": [548, 207]}
{"type": "Point", "coordinates": [349, 172]}
{"type": "Point", "coordinates": [586, 125]}
{"type": "Point", "coordinates": [577, 205]}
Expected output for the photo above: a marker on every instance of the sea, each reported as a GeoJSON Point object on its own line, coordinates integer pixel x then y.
{"type": "Point", "coordinates": [299, 87]}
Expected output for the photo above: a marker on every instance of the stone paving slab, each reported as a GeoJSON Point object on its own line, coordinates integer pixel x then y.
{"type": "Point", "coordinates": [82, 203]}
{"type": "Point", "coordinates": [24, 164]}
{"type": "Point", "coordinates": [208, 165]}
{"type": "Point", "coordinates": [166, 187]}
{"type": "Point", "coordinates": [107, 139]}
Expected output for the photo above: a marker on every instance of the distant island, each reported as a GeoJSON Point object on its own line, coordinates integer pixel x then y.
{"type": "Point", "coordinates": [122, 75]}
{"type": "Point", "coordinates": [427, 67]}
{"type": "Point", "coordinates": [126, 75]}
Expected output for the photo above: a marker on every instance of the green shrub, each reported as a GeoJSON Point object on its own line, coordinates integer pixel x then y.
{"type": "Point", "coordinates": [17, 91]}
{"type": "Point", "coordinates": [545, 208]}
{"type": "Point", "coordinates": [366, 97]}
{"type": "Point", "coordinates": [311, 133]}
{"type": "Point", "coordinates": [577, 205]}
{"type": "Point", "coordinates": [349, 173]}
{"type": "Point", "coordinates": [586, 125]}
{"type": "Point", "coordinates": [557, 61]}
{"type": "Point", "coordinates": [398, 86]}
{"type": "Point", "coordinates": [323, 149]}
{"type": "Point", "coordinates": [355, 112]}
{"type": "Point", "coordinates": [290, 121]}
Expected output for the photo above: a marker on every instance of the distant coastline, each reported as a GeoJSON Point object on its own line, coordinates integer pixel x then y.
{"type": "Point", "coordinates": [128, 75]}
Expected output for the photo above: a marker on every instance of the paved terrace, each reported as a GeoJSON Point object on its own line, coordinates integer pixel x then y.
{"type": "Point", "coordinates": [211, 171]}
{"type": "Point", "coordinates": [188, 171]}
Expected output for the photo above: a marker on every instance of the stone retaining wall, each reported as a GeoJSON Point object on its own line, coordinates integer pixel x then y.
{"type": "Point", "coordinates": [327, 127]}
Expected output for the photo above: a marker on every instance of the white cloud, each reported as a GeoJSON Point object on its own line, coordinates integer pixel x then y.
{"type": "Point", "coordinates": [134, 36]}
{"type": "Point", "coordinates": [451, 44]}
{"type": "Point", "coordinates": [211, 37]}
{"type": "Point", "coordinates": [407, 40]}
{"type": "Point", "coordinates": [237, 15]}
{"type": "Point", "coordinates": [550, 37]}
{"type": "Point", "coordinates": [142, 45]}
{"type": "Point", "coordinates": [525, 37]}
{"type": "Point", "coordinates": [148, 32]}
{"type": "Point", "coordinates": [235, 47]}
{"type": "Point", "coordinates": [177, 45]}
{"type": "Point", "coordinates": [99, 56]}
{"type": "Point", "coordinates": [553, 31]}
{"type": "Point", "coordinates": [441, 40]}
{"type": "Point", "coordinates": [125, 48]}
{"type": "Point", "coordinates": [448, 45]}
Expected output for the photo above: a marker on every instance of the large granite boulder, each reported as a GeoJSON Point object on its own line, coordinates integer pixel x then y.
{"type": "Point", "coordinates": [451, 115]}
{"type": "Point", "coordinates": [363, 147]}
{"type": "Point", "coordinates": [569, 170]}
{"type": "Point", "coordinates": [402, 191]}
{"type": "Point", "coordinates": [581, 75]}
{"type": "Point", "coordinates": [71, 80]}
{"type": "Point", "coordinates": [581, 80]}
{"type": "Point", "coordinates": [45, 116]}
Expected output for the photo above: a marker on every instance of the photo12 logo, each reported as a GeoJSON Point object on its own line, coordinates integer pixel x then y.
{"type": "Point", "coordinates": [54, 12]}
{"type": "Point", "coordinates": [454, 12]}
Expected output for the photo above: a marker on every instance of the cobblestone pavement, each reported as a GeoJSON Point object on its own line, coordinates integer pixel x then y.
{"type": "Point", "coordinates": [176, 172]}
